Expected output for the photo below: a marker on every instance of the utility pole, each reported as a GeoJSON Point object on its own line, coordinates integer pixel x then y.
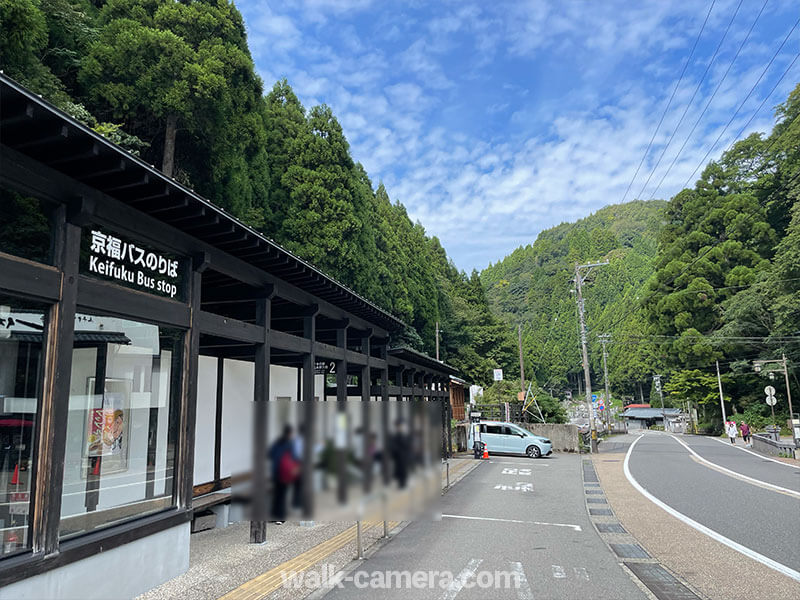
{"type": "Point", "coordinates": [604, 340]}
{"type": "Point", "coordinates": [721, 398]}
{"type": "Point", "coordinates": [437, 340]}
{"type": "Point", "coordinates": [657, 381]}
{"type": "Point", "coordinates": [579, 279]}
{"type": "Point", "coordinates": [521, 363]}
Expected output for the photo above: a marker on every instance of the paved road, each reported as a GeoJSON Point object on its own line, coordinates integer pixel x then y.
{"type": "Point", "coordinates": [764, 520]}
{"type": "Point", "coordinates": [735, 458]}
{"type": "Point", "coordinates": [556, 548]}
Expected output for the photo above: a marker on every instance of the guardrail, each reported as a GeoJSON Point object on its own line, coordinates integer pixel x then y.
{"type": "Point", "coordinates": [766, 445]}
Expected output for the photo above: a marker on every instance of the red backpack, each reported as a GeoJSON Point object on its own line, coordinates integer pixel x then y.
{"type": "Point", "coordinates": [288, 468]}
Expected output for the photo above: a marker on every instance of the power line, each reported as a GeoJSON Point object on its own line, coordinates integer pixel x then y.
{"type": "Point", "coordinates": [669, 103]}
{"type": "Point", "coordinates": [747, 97]}
{"type": "Point", "coordinates": [713, 95]}
{"type": "Point", "coordinates": [760, 106]}
{"type": "Point", "coordinates": [691, 100]}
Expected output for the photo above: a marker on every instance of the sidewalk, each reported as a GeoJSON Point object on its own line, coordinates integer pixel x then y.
{"type": "Point", "coordinates": [222, 561]}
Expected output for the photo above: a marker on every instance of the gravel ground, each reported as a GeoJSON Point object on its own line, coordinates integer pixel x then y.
{"type": "Point", "coordinates": [711, 567]}
{"type": "Point", "coordinates": [223, 559]}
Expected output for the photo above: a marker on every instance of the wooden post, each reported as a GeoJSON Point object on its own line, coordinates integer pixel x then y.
{"type": "Point", "coordinates": [308, 411]}
{"type": "Point", "coordinates": [258, 522]}
{"type": "Point", "coordinates": [55, 406]}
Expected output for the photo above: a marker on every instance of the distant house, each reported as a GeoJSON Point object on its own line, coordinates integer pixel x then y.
{"type": "Point", "coordinates": [457, 386]}
{"type": "Point", "coordinates": [644, 417]}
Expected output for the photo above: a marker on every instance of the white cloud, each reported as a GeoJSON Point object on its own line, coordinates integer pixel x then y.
{"type": "Point", "coordinates": [492, 121]}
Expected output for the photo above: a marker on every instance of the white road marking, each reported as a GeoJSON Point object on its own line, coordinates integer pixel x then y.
{"type": "Point", "coordinates": [510, 471]}
{"type": "Point", "coordinates": [569, 525]}
{"type": "Point", "coordinates": [524, 591]}
{"type": "Point", "coordinates": [558, 572]}
{"type": "Point", "coordinates": [521, 486]}
{"type": "Point", "coordinates": [780, 462]}
{"type": "Point", "coordinates": [581, 573]}
{"type": "Point", "coordinates": [736, 474]}
{"type": "Point", "coordinates": [764, 560]}
{"type": "Point", "coordinates": [461, 579]}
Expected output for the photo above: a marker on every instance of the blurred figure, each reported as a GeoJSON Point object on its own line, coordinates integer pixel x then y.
{"type": "Point", "coordinates": [285, 471]}
{"type": "Point", "coordinates": [298, 447]}
{"type": "Point", "coordinates": [400, 451]}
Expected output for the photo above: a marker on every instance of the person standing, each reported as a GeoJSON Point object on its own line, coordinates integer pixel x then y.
{"type": "Point", "coordinates": [745, 429]}
{"type": "Point", "coordinates": [285, 469]}
{"type": "Point", "coordinates": [732, 431]}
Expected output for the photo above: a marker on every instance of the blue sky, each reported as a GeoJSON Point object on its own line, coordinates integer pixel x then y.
{"type": "Point", "coordinates": [493, 120]}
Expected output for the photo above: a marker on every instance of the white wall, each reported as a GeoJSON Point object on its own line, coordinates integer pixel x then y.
{"type": "Point", "coordinates": [123, 572]}
{"type": "Point", "coordinates": [206, 420]}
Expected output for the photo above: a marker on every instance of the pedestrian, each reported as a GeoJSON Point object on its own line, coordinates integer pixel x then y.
{"type": "Point", "coordinates": [745, 429]}
{"type": "Point", "coordinates": [730, 428]}
{"type": "Point", "coordinates": [285, 470]}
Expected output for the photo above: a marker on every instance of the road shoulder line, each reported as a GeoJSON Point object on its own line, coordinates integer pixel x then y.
{"type": "Point", "coordinates": [736, 474]}
{"type": "Point", "coordinates": [762, 456]}
{"type": "Point", "coordinates": [764, 560]}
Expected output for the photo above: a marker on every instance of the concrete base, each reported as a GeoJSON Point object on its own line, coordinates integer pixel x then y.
{"type": "Point", "coordinates": [123, 572]}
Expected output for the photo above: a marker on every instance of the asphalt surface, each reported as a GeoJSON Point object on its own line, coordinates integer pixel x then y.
{"type": "Point", "coordinates": [734, 457]}
{"type": "Point", "coordinates": [557, 560]}
{"type": "Point", "coordinates": [764, 520]}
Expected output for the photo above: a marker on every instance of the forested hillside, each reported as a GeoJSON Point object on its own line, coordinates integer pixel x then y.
{"type": "Point", "coordinates": [175, 83]}
{"type": "Point", "coordinates": [712, 275]}
{"type": "Point", "coordinates": [727, 280]}
{"type": "Point", "coordinates": [534, 286]}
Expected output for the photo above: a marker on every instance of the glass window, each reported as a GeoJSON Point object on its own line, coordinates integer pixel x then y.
{"type": "Point", "coordinates": [122, 423]}
{"type": "Point", "coordinates": [25, 226]}
{"type": "Point", "coordinates": [22, 325]}
{"type": "Point", "coordinates": [494, 429]}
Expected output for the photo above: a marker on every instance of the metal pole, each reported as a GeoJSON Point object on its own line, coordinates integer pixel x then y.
{"type": "Point", "coordinates": [521, 364]}
{"type": "Point", "coordinates": [359, 541]}
{"type": "Point", "coordinates": [721, 399]}
{"type": "Point", "coordinates": [437, 340]}
{"type": "Point", "coordinates": [788, 394]}
{"type": "Point", "coordinates": [657, 379]}
{"type": "Point", "coordinates": [603, 340]}
{"type": "Point", "coordinates": [585, 357]}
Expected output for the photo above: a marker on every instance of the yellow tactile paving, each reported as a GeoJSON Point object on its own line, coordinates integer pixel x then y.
{"type": "Point", "coordinates": [268, 582]}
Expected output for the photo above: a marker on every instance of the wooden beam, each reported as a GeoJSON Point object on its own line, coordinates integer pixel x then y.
{"type": "Point", "coordinates": [228, 328]}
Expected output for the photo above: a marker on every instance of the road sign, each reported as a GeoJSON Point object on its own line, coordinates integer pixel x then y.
{"type": "Point", "coordinates": [769, 390]}
{"type": "Point", "coordinates": [498, 374]}
{"type": "Point", "coordinates": [771, 401]}
{"type": "Point", "coordinates": [594, 397]}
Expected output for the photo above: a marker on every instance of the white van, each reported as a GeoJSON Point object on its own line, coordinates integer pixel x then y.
{"type": "Point", "coordinates": [506, 438]}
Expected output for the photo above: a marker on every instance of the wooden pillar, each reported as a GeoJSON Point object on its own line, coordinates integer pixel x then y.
{"type": "Point", "coordinates": [188, 413]}
{"type": "Point", "coordinates": [385, 426]}
{"type": "Point", "coordinates": [365, 382]}
{"type": "Point", "coordinates": [308, 411]}
{"type": "Point", "coordinates": [55, 406]}
{"type": "Point", "coordinates": [258, 522]}
{"type": "Point", "coordinates": [342, 417]}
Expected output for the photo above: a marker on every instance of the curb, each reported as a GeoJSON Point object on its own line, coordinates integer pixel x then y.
{"type": "Point", "coordinates": [653, 578]}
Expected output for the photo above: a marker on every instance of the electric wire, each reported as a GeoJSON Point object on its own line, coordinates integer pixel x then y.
{"type": "Point", "coordinates": [746, 98]}
{"type": "Point", "coordinates": [713, 95]}
{"type": "Point", "coordinates": [669, 103]}
{"type": "Point", "coordinates": [691, 101]}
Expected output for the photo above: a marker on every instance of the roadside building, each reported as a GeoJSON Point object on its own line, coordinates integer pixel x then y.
{"type": "Point", "coordinates": [144, 334]}
{"type": "Point", "coordinates": [643, 418]}
{"type": "Point", "coordinates": [457, 394]}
